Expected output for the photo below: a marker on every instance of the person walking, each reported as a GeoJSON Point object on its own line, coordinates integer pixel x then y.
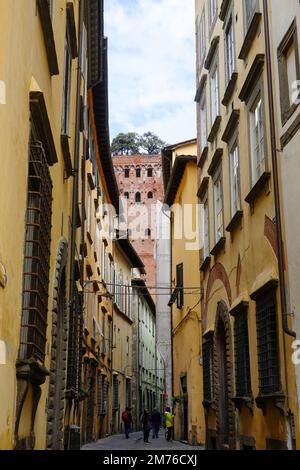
{"type": "Point", "coordinates": [155, 422]}
{"type": "Point", "coordinates": [146, 423]}
{"type": "Point", "coordinates": [169, 420]}
{"type": "Point", "coordinates": [127, 420]}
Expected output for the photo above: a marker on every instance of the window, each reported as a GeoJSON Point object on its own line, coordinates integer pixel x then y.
{"type": "Point", "coordinates": [138, 197]}
{"type": "Point", "coordinates": [127, 345]}
{"type": "Point", "coordinates": [115, 400]}
{"type": "Point", "coordinates": [148, 232]}
{"type": "Point", "coordinates": [257, 139]}
{"type": "Point", "coordinates": [126, 195]}
{"type": "Point", "coordinates": [208, 368]}
{"type": "Point", "coordinates": [218, 205]}
{"type": "Point", "coordinates": [94, 311]}
{"type": "Point", "coordinates": [109, 343]}
{"type": "Point", "coordinates": [250, 9]}
{"type": "Point", "coordinates": [229, 49]}
{"type": "Point", "coordinates": [235, 192]}
{"type": "Point", "coordinates": [179, 285]}
{"type": "Point", "coordinates": [214, 91]}
{"type": "Point", "coordinates": [289, 72]}
{"type": "Point", "coordinates": [89, 211]}
{"type": "Point", "coordinates": [212, 12]}
{"type": "Point", "coordinates": [103, 392]}
{"type": "Point", "coordinates": [87, 302]}
{"type": "Point", "coordinates": [126, 172]}
{"type": "Point", "coordinates": [65, 124]}
{"type": "Point", "coordinates": [149, 172]}
{"type": "Point", "coordinates": [267, 344]}
{"type": "Point", "coordinates": [103, 348]}
{"type": "Point", "coordinates": [202, 38]}
{"type": "Point", "coordinates": [242, 359]}
{"type": "Point", "coordinates": [128, 393]}
{"type": "Point", "coordinates": [138, 173]}
{"type": "Point", "coordinates": [36, 254]}
{"type": "Point", "coordinates": [203, 121]}
{"type": "Point", "coordinates": [104, 262]}
{"type": "Point", "coordinates": [206, 244]}
{"type": "Point", "coordinates": [150, 195]}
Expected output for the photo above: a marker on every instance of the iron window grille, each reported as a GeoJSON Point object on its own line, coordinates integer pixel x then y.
{"type": "Point", "coordinates": [75, 344]}
{"type": "Point", "coordinates": [208, 382]}
{"type": "Point", "coordinates": [267, 344]}
{"type": "Point", "coordinates": [242, 359]}
{"type": "Point", "coordinates": [115, 404]}
{"type": "Point", "coordinates": [102, 394]}
{"type": "Point", "coordinates": [128, 393]}
{"type": "Point", "coordinates": [36, 255]}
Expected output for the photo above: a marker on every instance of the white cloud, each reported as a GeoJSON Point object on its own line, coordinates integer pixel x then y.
{"type": "Point", "coordinates": [152, 67]}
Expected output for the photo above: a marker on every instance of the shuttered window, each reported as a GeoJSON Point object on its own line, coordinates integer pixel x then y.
{"type": "Point", "coordinates": [179, 285]}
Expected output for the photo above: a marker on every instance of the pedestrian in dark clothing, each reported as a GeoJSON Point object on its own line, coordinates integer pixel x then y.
{"type": "Point", "coordinates": [127, 420]}
{"type": "Point", "coordinates": [146, 423]}
{"type": "Point", "coordinates": [155, 422]}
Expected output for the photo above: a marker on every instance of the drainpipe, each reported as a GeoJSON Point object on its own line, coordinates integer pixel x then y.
{"type": "Point", "coordinates": [283, 299]}
{"type": "Point", "coordinates": [76, 161]}
{"type": "Point", "coordinates": [76, 169]}
{"type": "Point", "coordinates": [171, 313]}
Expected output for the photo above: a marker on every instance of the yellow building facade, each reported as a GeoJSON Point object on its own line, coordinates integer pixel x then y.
{"type": "Point", "coordinates": [40, 306]}
{"type": "Point", "coordinates": [249, 385]}
{"type": "Point", "coordinates": [180, 179]}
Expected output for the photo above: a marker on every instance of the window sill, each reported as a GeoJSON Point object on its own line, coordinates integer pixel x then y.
{"type": "Point", "coordinates": [31, 371]}
{"type": "Point", "coordinates": [205, 264]}
{"type": "Point", "coordinates": [250, 36]}
{"type": "Point", "coordinates": [218, 247]}
{"type": "Point", "coordinates": [211, 53]}
{"type": "Point", "coordinates": [203, 187]}
{"type": "Point", "coordinates": [277, 399]}
{"type": "Point", "coordinates": [203, 157]}
{"type": "Point", "coordinates": [230, 88]}
{"type": "Point", "coordinates": [214, 129]}
{"type": "Point", "coordinates": [258, 188]}
{"type": "Point", "coordinates": [215, 161]}
{"type": "Point", "coordinates": [239, 402]}
{"type": "Point", "coordinates": [235, 221]}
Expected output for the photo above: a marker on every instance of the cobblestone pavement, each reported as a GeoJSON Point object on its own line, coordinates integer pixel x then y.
{"type": "Point", "coordinates": [135, 442]}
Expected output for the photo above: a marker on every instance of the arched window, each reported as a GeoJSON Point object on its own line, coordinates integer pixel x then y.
{"type": "Point", "coordinates": [126, 195]}
{"type": "Point", "coordinates": [138, 172]}
{"type": "Point", "coordinates": [149, 172]}
{"type": "Point", "coordinates": [126, 172]}
{"type": "Point", "coordinates": [138, 197]}
{"type": "Point", "coordinates": [150, 195]}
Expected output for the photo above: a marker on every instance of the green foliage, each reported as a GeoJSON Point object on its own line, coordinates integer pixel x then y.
{"type": "Point", "coordinates": [134, 144]}
{"type": "Point", "coordinates": [151, 143]}
{"type": "Point", "coordinates": [126, 144]}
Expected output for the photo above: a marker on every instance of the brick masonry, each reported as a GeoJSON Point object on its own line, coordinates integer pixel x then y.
{"type": "Point", "coordinates": [144, 184]}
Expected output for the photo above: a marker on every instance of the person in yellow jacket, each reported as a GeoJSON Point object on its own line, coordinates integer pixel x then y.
{"type": "Point", "coordinates": [169, 423]}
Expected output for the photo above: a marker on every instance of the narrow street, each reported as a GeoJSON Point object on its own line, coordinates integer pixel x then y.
{"type": "Point", "coordinates": [135, 442]}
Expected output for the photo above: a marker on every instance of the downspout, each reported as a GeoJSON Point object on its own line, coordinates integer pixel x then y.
{"type": "Point", "coordinates": [76, 169]}
{"type": "Point", "coordinates": [76, 161]}
{"type": "Point", "coordinates": [171, 313]}
{"type": "Point", "coordinates": [138, 365]}
{"type": "Point", "coordinates": [281, 266]}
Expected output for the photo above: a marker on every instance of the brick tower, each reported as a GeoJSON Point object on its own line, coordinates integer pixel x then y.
{"type": "Point", "coordinates": [140, 182]}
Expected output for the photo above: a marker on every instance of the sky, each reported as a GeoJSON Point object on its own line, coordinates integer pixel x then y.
{"type": "Point", "coordinates": [151, 60]}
